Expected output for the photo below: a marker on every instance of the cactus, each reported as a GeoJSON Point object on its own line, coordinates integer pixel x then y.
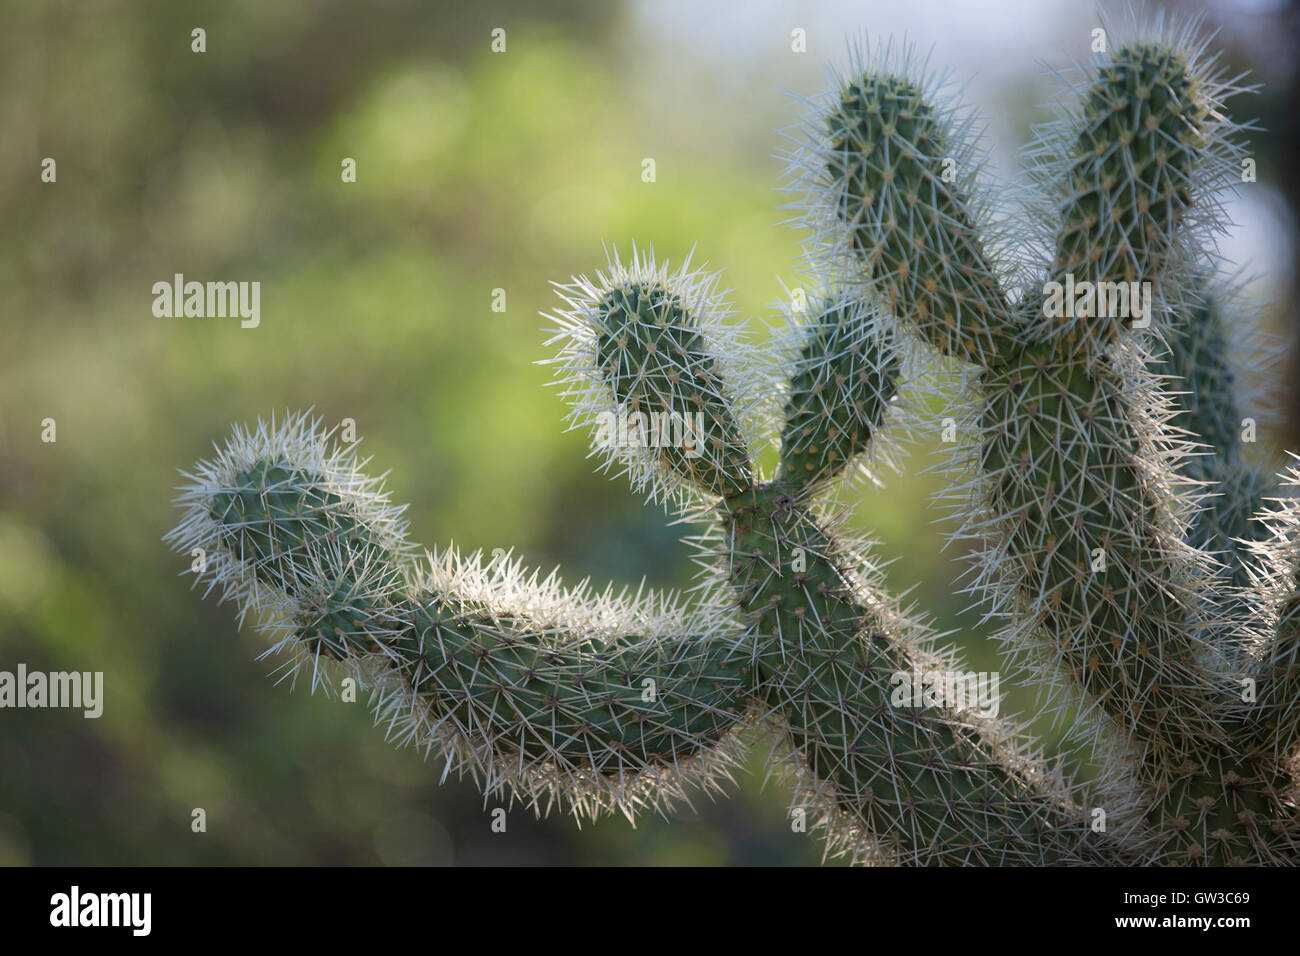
{"type": "Point", "coordinates": [1142, 567]}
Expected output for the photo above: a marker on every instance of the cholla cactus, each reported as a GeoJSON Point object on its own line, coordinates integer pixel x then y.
{"type": "Point", "coordinates": [1125, 539]}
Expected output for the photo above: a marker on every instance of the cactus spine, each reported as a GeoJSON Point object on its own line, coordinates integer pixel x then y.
{"type": "Point", "coordinates": [1126, 543]}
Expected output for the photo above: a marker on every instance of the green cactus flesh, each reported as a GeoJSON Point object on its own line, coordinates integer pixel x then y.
{"type": "Point", "coordinates": [928, 784]}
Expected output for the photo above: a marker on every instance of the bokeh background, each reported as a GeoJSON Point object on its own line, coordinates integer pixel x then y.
{"type": "Point", "coordinates": [476, 171]}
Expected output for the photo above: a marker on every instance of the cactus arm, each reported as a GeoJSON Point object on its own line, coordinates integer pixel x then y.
{"type": "Point", "coordinates": [899, 173]}
{"type": "Point", "coordinates": [907, 781]}
{"type": "Point", "coordinates": [1274, 719]}
{"type": "Point", "coordinates": [648, 364]}
{"type": "Point", "coordinates": [1206, 371]}
{"type": "Point", "coordinates": [536, 691]}
{"type": "Point", "coordinates": [1076, 489]}
{"type": "Point", "coordinates": [842, 380]}
{"type": "Point", "coordinates": [1143, 135]}
{"type": "Point", "coordinates": [551, 707]}
{"type": "Point", "coordinates": [1203, 364]}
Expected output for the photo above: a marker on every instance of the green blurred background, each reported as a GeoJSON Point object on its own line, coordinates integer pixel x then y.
{"type": "Point", "coordinates": [476, 171]}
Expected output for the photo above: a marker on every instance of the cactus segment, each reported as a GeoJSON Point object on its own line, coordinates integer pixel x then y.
{"type": "Point", "coordinates": [841, 384]}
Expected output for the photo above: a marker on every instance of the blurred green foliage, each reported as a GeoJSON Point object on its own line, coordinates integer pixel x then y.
{"type": "Point", "coordinates": [475, 172]}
